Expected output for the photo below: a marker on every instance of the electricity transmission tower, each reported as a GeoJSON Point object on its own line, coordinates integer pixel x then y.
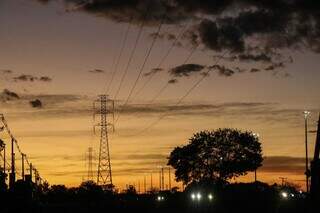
{"type": "Point", "coordinates": [103, 106]}
{"type": "Point", "coordinates": [90, 163]}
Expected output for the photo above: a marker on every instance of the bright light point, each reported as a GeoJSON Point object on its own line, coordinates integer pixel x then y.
{"type": "Point", "coordinates": [210, 196]}
{"type": "Point", "coordinates": [292, 195]}
{"type": "Point", "coordinates": [193, 196]}
{"type": "Point", "coordinates": [284, 194]}
{"type": "Point", "coordinates": [160, 198]}
{"type": "Point", "coordinates": [300, 192]}
{"type": "Point", "coordinates": [306, 113]}
{"type": "Point", "coordinates": [198, 196]}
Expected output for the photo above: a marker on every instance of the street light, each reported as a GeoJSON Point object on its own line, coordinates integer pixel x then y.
{"type": "Point", "coordinates": [284, 195]}
{"type": "Point", "coordinates": [306, 115]}
{"type": "Point", "coordinates": [199, 196]}
{"type": "Point", "coordinates": [160, 198]}
{"type": "Point", "coordinates": [196, 196]}
{"type": "Point", "coordinates": [193, 196]}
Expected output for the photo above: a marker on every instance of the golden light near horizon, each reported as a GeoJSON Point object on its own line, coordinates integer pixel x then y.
{"type": "Point", "coordinates": [171, 75]}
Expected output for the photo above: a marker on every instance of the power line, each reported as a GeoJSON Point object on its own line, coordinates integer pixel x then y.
{"type": "Point", "coordinates": [167, 83]}
{"type": "Point", "coordinates": [159, 93]}
{"type": "Point", "coordinates": [174, 43]}
{"type": "Point", "coordinates": [182, 98]}
{"type": "Point", "coordinates": [120, 55]}
{"type": "Point", "coordinates": [142, 67]}
{"type": "Point", "coordinates": [131, 56]}
{"type": "Point", "coordinates": [14, 141]}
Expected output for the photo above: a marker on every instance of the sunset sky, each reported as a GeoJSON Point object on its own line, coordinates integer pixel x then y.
{"type": "Point", "coordinates": [64, 55]}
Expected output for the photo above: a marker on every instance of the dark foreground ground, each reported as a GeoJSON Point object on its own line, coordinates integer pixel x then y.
{"type": "Point", "coordinates": [233, 198]}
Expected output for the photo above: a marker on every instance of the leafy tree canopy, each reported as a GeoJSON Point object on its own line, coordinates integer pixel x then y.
{"type": "Point", "coordinates": [216, 155]}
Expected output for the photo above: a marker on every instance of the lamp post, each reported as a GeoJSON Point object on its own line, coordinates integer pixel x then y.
{"type": "Point", "coordinates": [306, 115]}
{"type": "Point", "coordinates": [255, 171]}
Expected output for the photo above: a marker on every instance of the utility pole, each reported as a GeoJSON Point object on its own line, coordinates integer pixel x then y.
{"type": "Point", "coordinates": [307, 173]}
{"type": "Point", "coordinates": [162, 178]}
{"type": "Point", "coordinates": [12, 178]}
{"type": "Point", "coordinates": [160, 184]}
{"type": "Point", "coordinates": [22, 165]}
{"type": "Point", "coordinates": [106, 106]}
{"type": "Point", "coordinates": [169, 178]}
{"type": "Point", "coordinates": [151, 184]}
{"type": "Point", "coordinates": [4, 160]}
{"type": "Point", "coordinates": [30, 170]}
{"type": "Point", "coordinates": [145, 184]}
{"type": "Point", "coordinates": [2, 173]}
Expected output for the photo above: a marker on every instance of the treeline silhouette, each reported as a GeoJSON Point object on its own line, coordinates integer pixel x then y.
{"type": "Point", "coordinates": [207, 164]}
{"type": "Point", "coordinates": [89, 197]}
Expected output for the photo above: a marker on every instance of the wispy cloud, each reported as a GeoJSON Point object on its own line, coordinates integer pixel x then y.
{"type": "Point", "coordinates": [6, 71]}
{"type": "Point", "coordinates": [96, 71]}
{"type": "Point", "coordinates": [7, 95]}
{"type": "Point", "coordinates": [31, 78]}
{"type": "Point", "coordinates": [284, 164]}
{"type": "Point", "coordinates": [186, 70]}
{"type": "Point", "coordinates": [75, 106]}
{"type": "Point", "coordinates": [153, 71]}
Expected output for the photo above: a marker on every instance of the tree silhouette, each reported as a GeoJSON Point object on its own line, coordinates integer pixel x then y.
{"type": "Point", "coordinates": [216, 155]}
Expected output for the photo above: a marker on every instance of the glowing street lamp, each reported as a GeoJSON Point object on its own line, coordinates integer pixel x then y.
{"type": "Point", "coordinates": [196, 196]}
{"type": "Point", "coordinates": [199, 196]}
{"type": "Point", "coordinates": [284, 195]}
{"type": "Point", "coordinates": [160, 198]}
{"type": "Point", "coordinates": [193, 196]}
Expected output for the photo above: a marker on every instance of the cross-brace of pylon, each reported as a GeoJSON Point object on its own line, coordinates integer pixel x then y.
{"type": "Point", "coordinates": [105, 107]}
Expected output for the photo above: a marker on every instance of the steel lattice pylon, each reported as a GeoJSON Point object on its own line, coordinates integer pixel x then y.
{"type": "Point", "coordinates": [104, 175]}
{"type": "Point", "coordinates": [90, 159]}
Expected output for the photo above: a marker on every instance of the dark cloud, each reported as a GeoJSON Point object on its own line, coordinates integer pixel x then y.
{"type": "Point", "coordinates": [36, 103]}
{"type": "Point", "coordinates": [153, 71]}
{"type": "Point", "coordinates": [45, 79]}
{"type": "Point", "coordinates": [229, 25]}
{"type": "Point", "coordinates": [8, 95]}
{"type": "Point", "coordinates": [164, 35]}
{"type": "Point", "coordinates": [254, 58]}
{"type": "Point", "coordinates": [218, 38]}
{"type": "Point", "coordinates": [96, 71]}
{"type": "Point", "coordinates": [186, 70]}
{"type": "Point", "coordinates": [226, 58]}
{"type": "Point", "coordinates": [239, 70]}
{"type": "Point", "coordinates": [173, 81]}
{"type": "Point", "coordinates": [31, 78]}
{"type": "Point", "coordinates": [25, 78]}
{"type": "Point", "coordinates": [192, 37]}
{"type": "Point", "coordinates": [275, 66]}
{"type": "Point", "coordinates": [255, 70]}
{"type": "Point", "coordinates": [223, 71]}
